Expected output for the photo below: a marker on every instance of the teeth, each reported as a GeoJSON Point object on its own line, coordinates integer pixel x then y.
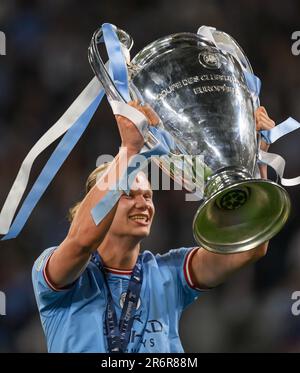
{"type": "Point", "coordinates": [138, 217]}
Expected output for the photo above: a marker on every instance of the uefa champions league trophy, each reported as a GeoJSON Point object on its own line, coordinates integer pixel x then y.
{"type": "Point", "coordinates": [201, 95]}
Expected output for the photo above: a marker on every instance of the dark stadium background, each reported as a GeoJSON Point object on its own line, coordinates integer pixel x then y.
{"type": "Point", "coordinates": [46, 67]}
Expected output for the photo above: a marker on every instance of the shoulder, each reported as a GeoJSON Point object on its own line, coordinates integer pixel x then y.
{"type": "Point", "coordinates": [172, 260]}
{"type": "Point", "coordinates": [175, 256]}
{"type": "Point", "coordinates": [39, 263]}
{"type": "Point", "coordinates": [41, 281]}
{"type": "Point", "coordinates": [172, 272]}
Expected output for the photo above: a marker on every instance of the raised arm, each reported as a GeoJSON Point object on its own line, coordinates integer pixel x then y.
{"type": "Point", "coordinates": [69, 260]}
{"type": "Point", "coordinates": [71, 257]}
{"type": "Point", "coordinates": [210, 269]}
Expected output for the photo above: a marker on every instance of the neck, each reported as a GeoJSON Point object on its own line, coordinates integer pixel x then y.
{"type": "Point", "coordinates": [119, 252]}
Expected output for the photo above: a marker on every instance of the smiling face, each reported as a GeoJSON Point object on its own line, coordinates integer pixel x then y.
{"type": "Point", "coordinates": [135, 211]}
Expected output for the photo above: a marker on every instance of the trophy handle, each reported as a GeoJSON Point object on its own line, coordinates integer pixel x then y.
{"type": "Point", "coordinates": [98, 65]}
{"type": "Point", "coordinates": [102, 74]}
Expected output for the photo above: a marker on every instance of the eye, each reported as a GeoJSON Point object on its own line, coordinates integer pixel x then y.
{"type": "Point", "coordinates": [126, 196]}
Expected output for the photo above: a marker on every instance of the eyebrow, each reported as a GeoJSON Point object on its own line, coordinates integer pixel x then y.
{"type": "Point", "coordinates": [142, 191]}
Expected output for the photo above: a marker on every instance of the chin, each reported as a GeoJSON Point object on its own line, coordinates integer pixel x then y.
{"type": "Point", "coordinates": [142, 234]}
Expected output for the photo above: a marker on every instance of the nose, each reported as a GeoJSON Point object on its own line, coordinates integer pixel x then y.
{"type": "Point", "coordinates": [140, 202]}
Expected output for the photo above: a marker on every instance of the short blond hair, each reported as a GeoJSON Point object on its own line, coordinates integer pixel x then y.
{"type": "Point", "coordinates": [90, 183]}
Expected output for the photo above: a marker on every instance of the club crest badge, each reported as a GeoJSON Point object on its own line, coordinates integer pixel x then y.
{"type": "Point", "coordinates": [209, 59]}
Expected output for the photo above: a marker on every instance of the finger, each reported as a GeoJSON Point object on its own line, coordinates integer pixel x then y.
{"type": "Point", "coordinates": [263, 124]}
{"type": "Point", "coordinates": [263, 121]}
{"type": "Point", "coordinates": [151, 115]}
{"type": "Point", "coordinates": [121, 119]}
{"type": "Point", "coordinates": [266, 117]}
{"type": "Point", "coordinates": [264, 146]}
{"type": "Point", "coordinates": [263, 171]}
{"type": "Point", "coordinates": [136, 105]}
{"type": "Point", "coordinates": [261, 109]}
{"type": "Point", "coordinates": [260, 113]}
{"type": "Point", "coordinates": [125, 125]}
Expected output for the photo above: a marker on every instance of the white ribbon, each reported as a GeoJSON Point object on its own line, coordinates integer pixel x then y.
{"type": "Point", "coordinates": [16, 193]}
{"type": "Point", "coordinates": [138, 118]}
{"type": "Point", "coordinates": [278, 164]}
{"type": "Point", "coordinates": [227, 45]}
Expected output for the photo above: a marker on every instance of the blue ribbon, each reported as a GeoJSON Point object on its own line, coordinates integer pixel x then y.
{"type": "Point", "coordinates": [280, 130]}
{"type": "Point", "coordinates": [117, 61]}
{"type": "Point", "coordinates": [283, 128]}
{"type": "Point", "coordinates": [52, 166]}
{"type": "Point", "coordinates": [104, 206]}
{"type": "Point", "coordinates": [253, 83]}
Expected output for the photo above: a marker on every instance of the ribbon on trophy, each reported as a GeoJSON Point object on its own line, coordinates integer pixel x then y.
{"type": "Point", "coordinates": [75, 120]}
{"type": "Point", "coordinates": [226, 45]}
{"type": "Point", "coordinates": [119, 74]}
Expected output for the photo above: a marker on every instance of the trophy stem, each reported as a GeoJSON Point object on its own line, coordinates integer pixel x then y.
{"type": "Point", "coordinates": [234, 198]}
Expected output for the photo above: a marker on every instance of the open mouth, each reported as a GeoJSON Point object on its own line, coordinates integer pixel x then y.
{"type": "Point", "coordinates": [139, 218]}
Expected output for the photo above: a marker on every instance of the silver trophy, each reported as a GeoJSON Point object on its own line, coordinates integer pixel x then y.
{"type": "Point", "coordinates": [200, 93]}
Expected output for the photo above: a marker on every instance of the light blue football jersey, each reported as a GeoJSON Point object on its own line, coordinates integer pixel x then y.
{"type": "Point", "coordinates": [73, 318]}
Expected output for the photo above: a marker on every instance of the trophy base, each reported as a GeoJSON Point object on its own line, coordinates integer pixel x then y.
{"type": "Point", "coordinates": [239, 213]}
